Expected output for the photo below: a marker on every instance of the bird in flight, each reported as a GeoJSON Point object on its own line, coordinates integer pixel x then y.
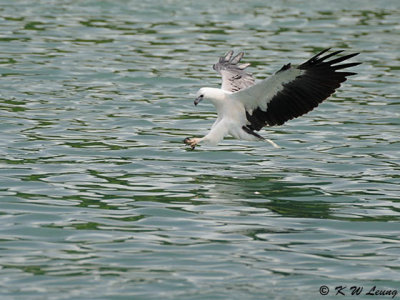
{"type": "Point", "coordinates": [244, 107]}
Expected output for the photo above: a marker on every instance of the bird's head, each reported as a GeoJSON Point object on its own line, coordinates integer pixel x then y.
{"type": "Point", "coordinates": [212, 94]}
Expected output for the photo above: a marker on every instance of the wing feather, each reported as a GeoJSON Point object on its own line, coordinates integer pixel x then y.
{"type": "Point", "coordinates": [293, 91]}
{"type": "Point", "coordinates": [234, 78]}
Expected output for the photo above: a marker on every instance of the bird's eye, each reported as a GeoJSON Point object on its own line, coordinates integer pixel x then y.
{"type": "Point", "coordinates": [201, 96]}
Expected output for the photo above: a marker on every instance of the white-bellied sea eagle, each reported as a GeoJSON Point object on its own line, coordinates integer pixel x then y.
{"type": "Point", "coordinates": [245, 107]}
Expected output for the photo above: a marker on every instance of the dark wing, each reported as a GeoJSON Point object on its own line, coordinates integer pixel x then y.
{"type": "Point", "coordinates": [234, 78]}
{"type": "Point", "coordinates": [294, 91]}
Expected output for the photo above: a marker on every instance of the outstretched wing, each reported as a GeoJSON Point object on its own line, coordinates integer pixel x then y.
{"type": "Point", "coordinates": [293, 91]}
{"type": "Point", "coordinates": [234, 78]}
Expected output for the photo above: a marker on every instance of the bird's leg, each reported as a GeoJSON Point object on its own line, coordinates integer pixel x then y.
{"type": "Point", "coordinates": [272, 143]}
{"type": "Point", "coordinates": [216, 134]}
{"type": "Point", "coordinates": [192, 142]}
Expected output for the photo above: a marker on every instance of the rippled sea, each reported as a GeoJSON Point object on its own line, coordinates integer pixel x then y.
{"type": "Point", "coordinates": [100, 199]}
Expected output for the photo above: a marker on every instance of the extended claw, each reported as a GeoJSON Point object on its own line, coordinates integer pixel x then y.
{"type": "Point", "coordinates": [191, 142]}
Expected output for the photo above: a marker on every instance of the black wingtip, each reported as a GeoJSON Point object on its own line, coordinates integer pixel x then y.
{"type": "Point", "coordinates": [343, 66]}
{"type": "Point", "coordinates": [342, 58]}
{"type": "Point", "coordinates": [330, 55]}
{"type": "Point", "coordinates": [316, 60]}
{"type": "Point", "coordinates": [313, 60]}
{"type": "Point", "coordinates": [345, 74]}
{"type": "Point", "coordinates": [319, 54]}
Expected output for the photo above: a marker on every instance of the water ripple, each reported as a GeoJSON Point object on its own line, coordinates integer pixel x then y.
{"type": "Point", "coordinates": [100, 198]}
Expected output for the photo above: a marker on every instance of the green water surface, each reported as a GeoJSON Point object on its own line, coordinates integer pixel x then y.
{"type": "Point", "coordinates": [99, 198]}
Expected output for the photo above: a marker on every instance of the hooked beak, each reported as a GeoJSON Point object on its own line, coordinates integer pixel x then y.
{"type": "Point", "coordinates": [198, 100]}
